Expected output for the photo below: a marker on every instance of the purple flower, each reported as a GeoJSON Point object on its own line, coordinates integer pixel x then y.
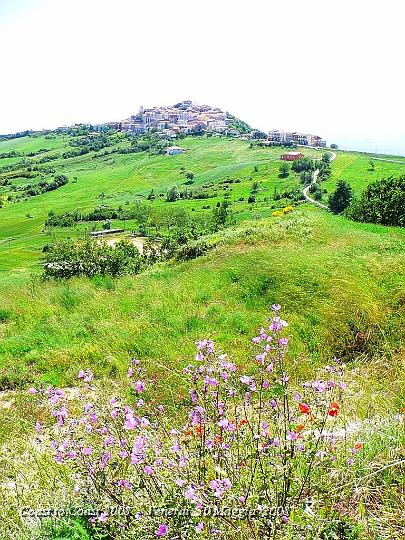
{"type": "Point", "coordinates": [319, 386]}
{"type": "Point", "coordinates": [32, 391]}
{"type": "Point", "coordinates": [139, 386]}
{"type": "Point", "coordinates": [131, 421]}
{"type": "Point", "coordinates": [275, 307]}
{"type": "Point", "coordinates": [148, 470]}
{"type": "Point", "coordinates": [161, 531]}
{"type": "Point", "coordinates": [87, 451]}
{"type": "Point", "coordinates": [220, 486]}
{"type": "Point", "coordinates": [211, 381]}
{"type": "Point", "coordinates": [38, 427]}
{"type": "Point", "coordinates": [283, 342]}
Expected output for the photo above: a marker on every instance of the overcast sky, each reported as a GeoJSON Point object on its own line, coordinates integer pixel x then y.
{"type": "Point", "coordinates": [332, 68]}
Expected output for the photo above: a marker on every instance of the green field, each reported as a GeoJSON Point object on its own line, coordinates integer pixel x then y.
{"type": "Point", "coordinates": [121, 179]}
{"type": "Point", "coordinates": [355, 169]}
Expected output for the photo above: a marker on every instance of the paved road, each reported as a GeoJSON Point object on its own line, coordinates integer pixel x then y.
{"type": "Point", "coordinates": [314, 179]}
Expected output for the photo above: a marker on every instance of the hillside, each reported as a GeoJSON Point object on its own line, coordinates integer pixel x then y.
{"type": "Point", "coordinates": [222, 168]}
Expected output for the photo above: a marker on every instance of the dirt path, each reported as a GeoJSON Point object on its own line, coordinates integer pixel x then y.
{"type": "Point", "coordinates": [314, 179]}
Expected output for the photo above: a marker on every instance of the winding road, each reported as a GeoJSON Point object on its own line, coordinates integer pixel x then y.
{"type": "Point", "coordinates": [314, 179]}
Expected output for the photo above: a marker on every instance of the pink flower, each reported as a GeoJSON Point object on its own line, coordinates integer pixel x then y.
{"type": "Point", "coordinates": [220, 486]}
{"type": "Point", "coordinates": [139, 386]}
{"type": "Point", "coordinates": [131, 421]}
{"type": "Point", "coordinates": [87, 451]}
{"type": "Point", "coordinates": [161, 531]}
{"type": "Point", "coordinates": [319, 386]}
{"type": "Point", "coordinates": [32, 391]}
{"type": "Point", "coordinates": [103, 517]}
{"type": "Point", "coordinates": [148, 470]}
{"type": "Point", "coordinates": [38, 427]}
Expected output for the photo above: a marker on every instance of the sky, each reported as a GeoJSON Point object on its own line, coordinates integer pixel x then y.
{"type": "Point", "coordinates": [336, 69]}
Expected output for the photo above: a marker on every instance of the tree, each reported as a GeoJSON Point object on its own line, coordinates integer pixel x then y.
{"type": "Point", "coordinates": [189, 175]}
{"type": "Point", "coordinates": [326, 157]}
{"type": "Point", "coordinates": [383, 202]}
{"type": "Point", "coordinates": [341, 198]}
{"type": "Point", "coordinates": [334, 146]}
{"type": "Point", "coordinates": [284, 170]}
{"type": "Point", "coordinates": [221, 216]}
{"type": "Point", "coordinates": [372, 166]}
{"type": "Point", "coordinates": [173, 194]}
{"type": "Point", "coordinates": [306, 177]}
{"type": "Point", "coordinates": [251, 199]}
{"type": "Point", "coordinates": [255, 186]}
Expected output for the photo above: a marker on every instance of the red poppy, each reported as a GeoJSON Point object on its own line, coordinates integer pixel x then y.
{"type": "Point", "coordinates": [242, 423]}
{"type": "Point", "coordinates": [299, 428]}
{"type": "Point", "coordinates": [218, 439]}
{"type": "Point", "coordinates": [333, 409]}
{"type": "Point", "coordinates": [304, 408]}
{"type": "Point", "coordinates": [358, 446]}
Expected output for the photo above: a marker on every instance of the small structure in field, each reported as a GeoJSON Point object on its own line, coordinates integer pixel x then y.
{"type": "Point", "coordinates": [106, 232]}
{"type": "Point", "coordinates": [291, 156]}
{"type": "Point", "coordinates": [172, 150]}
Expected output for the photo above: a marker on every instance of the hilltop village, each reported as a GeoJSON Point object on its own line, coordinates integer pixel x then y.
{"type": "Point", "coordinates": [189, 118]}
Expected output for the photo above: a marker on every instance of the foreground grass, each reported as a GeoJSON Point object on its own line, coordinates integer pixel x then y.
{"type": "Point", "coordinates": [341, 285]}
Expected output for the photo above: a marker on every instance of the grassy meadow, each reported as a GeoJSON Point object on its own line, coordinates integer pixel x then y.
{"type": "Point", "coordinates": [119, 179]}
{"type": "Point", "coordinates": [341, 285]}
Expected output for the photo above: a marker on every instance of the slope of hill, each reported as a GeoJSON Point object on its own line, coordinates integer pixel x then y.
{"type": "Point", "coordinates": [222, 168]}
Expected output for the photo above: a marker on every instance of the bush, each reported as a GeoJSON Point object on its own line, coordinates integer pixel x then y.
{"type": "Point", "coordinates": [192, 250]}
{"type": "Point", "coordinates": [88, 257]}
{"type": "Point", "coordinates": [341, 198]}
{"type": "Point", "coordinates": [246, 440]}
{"type": "Point", "coordinates": [382, 202]}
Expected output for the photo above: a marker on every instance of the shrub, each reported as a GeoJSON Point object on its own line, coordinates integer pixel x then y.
{"type": "Point", "coordinates": [248, 440]}
{"type": "Point", "coordinates": [383, 202]}
{"type": "Point", "coordinates": [192, 250]}
{"type": "Point", "coordinates": [5, 315]}
{"type": "Point", "coordinates": [86, 257]}
{"type": "Point", "coordinates": [341, 198]}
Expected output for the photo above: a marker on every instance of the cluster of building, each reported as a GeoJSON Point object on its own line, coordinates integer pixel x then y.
{"type": "Point", "coordinates": [188, 117]}
{"type": "Point", "coordinates": [185, 117]}
{"type": "Point", "coordinates": [292, 137]}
